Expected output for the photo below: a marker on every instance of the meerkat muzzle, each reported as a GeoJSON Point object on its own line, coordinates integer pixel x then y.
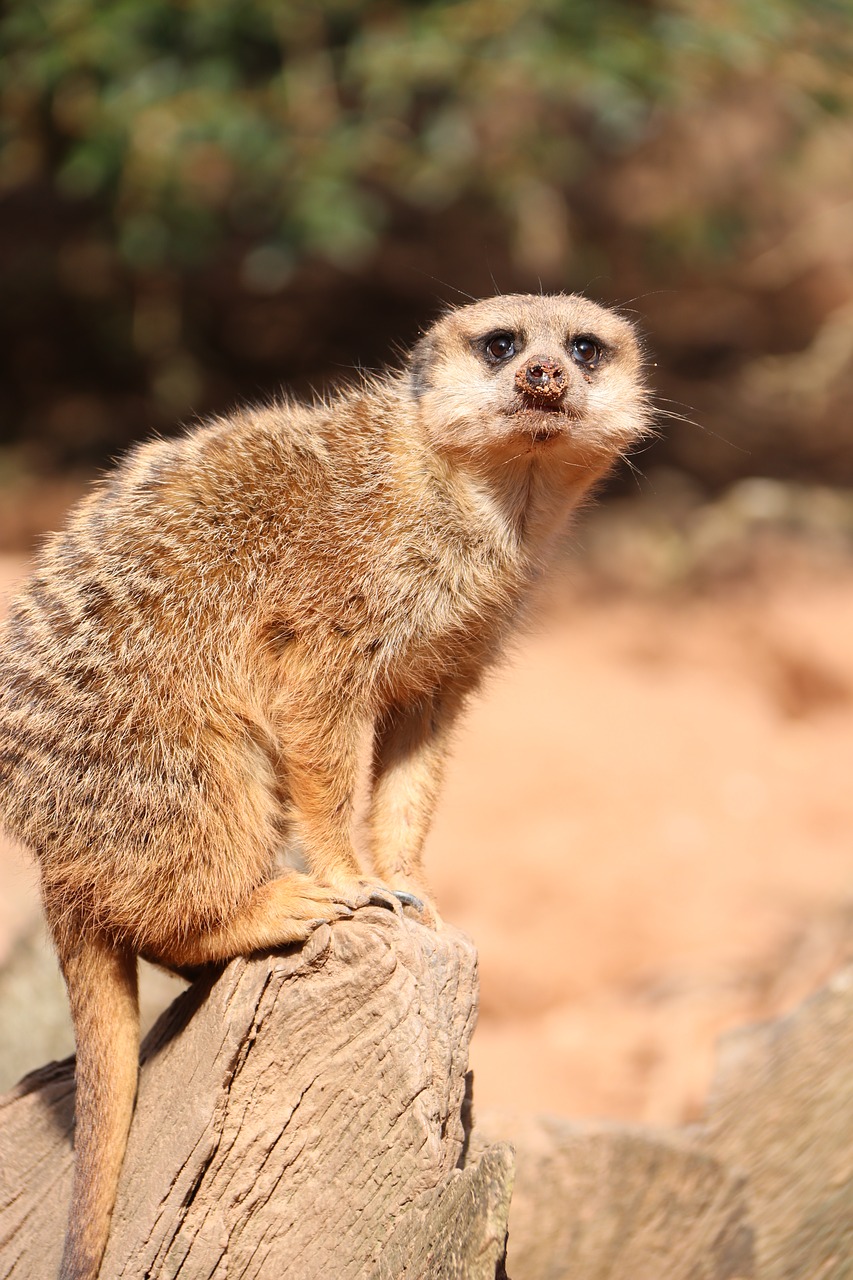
{"type": "Point", "coordinates": [542, 381]}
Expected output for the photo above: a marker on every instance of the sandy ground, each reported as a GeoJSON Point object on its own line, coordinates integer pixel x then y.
{"type": "Point", "coordinates": [647, 830]}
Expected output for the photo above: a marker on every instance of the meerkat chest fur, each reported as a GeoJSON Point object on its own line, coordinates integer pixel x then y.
{"type": "Point", "coordinates": [403, 566]}
{"type": "Point", "coordinates": [448, 485]}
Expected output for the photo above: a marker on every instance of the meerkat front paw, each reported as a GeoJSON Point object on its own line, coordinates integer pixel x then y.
{"type": "Point", "coordinates": [311, 904]}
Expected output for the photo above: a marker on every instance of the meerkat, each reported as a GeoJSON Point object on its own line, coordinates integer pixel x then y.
{"type": "Point", "coordinates": [187, 677]}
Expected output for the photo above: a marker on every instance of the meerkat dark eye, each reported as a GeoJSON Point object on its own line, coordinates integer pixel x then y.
{"type": "Point", "coordinates": [499, 346]}
{"type": "Point", "coordinates": [586, 352]}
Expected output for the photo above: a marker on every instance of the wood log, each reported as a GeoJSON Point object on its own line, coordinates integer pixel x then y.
{"type": "Point", "coordinates": [600, 1201]}
{"type": "Point", "coordinates": [781, 1110]}
{"type": "Point", "coordinates": [300, 1114]}
{"type": "Point", "coordinates": [762, 1189]}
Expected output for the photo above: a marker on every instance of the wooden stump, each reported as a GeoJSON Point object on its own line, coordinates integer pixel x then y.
{"type": "Point", "coordinates": [763, 1190]}
{"type": "Point", "coordinates": [308, 1115]}
{"type": "Point", "coordinates": [600, 1201]}
{"type": "Point", "coordinates": [298, 1115]}
{"type": "Point", "coordinates": [781, 1110]}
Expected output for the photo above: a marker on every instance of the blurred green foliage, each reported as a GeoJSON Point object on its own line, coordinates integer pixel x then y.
{"type": "Point", "coordinates": [200, 197]}
{"type": "Point", "coordinates": [293, 124]}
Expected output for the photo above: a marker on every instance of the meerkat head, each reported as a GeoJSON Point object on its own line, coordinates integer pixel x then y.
{"type": "Point", "coordinates": [527, 374]}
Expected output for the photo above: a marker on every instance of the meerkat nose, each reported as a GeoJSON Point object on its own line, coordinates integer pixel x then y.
{"type": "Point", "coordinates": [541, 378]}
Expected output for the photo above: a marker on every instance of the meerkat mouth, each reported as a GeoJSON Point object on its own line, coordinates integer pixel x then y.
{"type": "Point", "coordinates": [542, 423]}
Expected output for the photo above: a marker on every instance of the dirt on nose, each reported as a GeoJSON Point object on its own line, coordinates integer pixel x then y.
{"type": "Point", "coordinates": [541, 379]}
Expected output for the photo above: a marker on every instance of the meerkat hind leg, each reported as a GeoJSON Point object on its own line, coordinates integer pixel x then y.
{"type": "Point", "coordinates": [283, 911]}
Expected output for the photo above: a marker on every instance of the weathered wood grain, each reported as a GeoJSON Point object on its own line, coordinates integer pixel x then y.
{"type": "Point", "coordinates": [292, 1112]}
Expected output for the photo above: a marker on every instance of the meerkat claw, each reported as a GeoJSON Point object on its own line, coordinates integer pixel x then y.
{"type": "Point", "coordinates": [367, 893]}
{"type": "Point", "coordinates": [385, 898]}
{"type": "Point", "coordinates": [408, 899]}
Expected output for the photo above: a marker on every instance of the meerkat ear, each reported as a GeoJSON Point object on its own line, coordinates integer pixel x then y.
{"type": "Point", "coordinates": [420, 363]}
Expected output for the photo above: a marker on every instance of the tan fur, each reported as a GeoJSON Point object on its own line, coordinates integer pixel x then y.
{"type": "Point", "coordinates": [186, 679]}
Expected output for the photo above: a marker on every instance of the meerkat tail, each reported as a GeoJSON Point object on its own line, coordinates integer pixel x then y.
{"type": "Point", "coordinates": [102, 988]}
